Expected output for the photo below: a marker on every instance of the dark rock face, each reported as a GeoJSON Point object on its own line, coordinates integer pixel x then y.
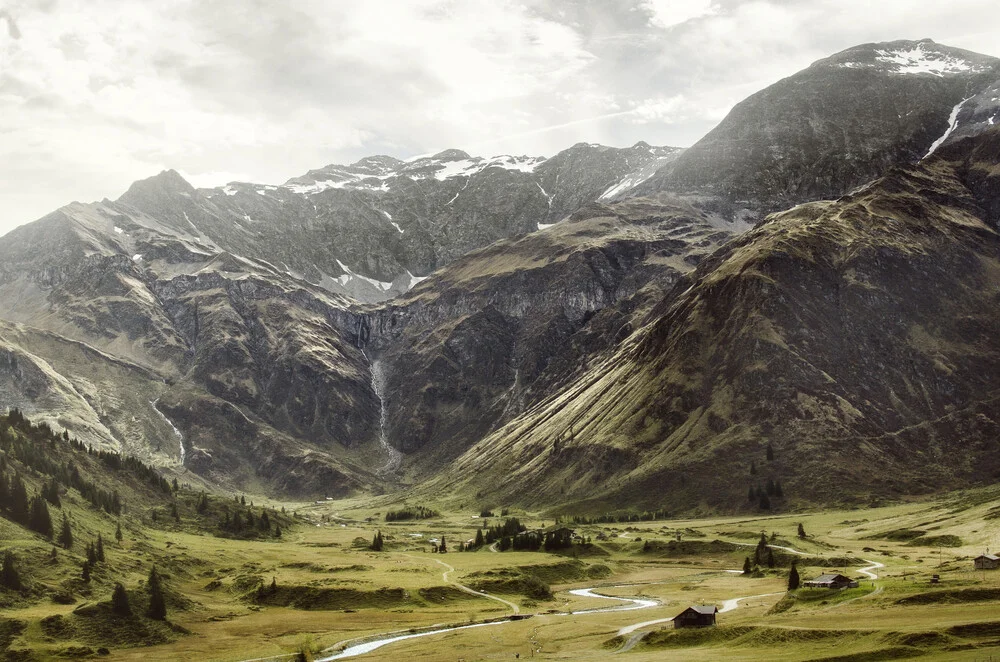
{"type": "Point", "coordinates": [463, 350]}
{"type": "Point", "coordinates": [829, 128]}
{"type": "Point", "coordinates": [857, 337]}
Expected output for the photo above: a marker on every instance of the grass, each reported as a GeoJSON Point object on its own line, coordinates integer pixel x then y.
{"type": "Point", "coordinates": [328, 590]}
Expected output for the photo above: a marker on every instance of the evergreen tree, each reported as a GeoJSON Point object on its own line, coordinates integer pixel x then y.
{"type": "Point", "coordinates": [274, 585]}
{"type": "Point", "coordinates": [173, 511]}
{"type": "Point", "coordinates": [175, 486]}
{"type": "Point", "coordinates": [118, 533]}
{"type": "Point", "coordinates": [54, 555]}
{"type": "Point", "coordinates": [760, 554]}
{"type": "Point", "coordinates": [778, 492]}
{"type": "Point", "coordinates": [157, 603]}
{"type": "Point", "coordinates": [770, 453]}
{"type": "Point", "coordinates": [793, 578]}
{"type": "Point", "coordinates": [119, 601]}
{"type": "Point", "coordinates": [277, 531]}
{"type": "Point", "coordinates": [85, 573]}
{"type": "Point", "coordinates": [765, 502]}
{"type": "Point", "coordinates": [480, 541]}
{"type": "Point", "coordinates": [747, 566]}
{"type": "Point", "coordinates": [100, 548]}
{"type": "Point", "coordinates": [443, 547]}
{"type": "Point", "coordinates": [802, 531]}
{"type": "Point", "coordinates": [40, 521]}
{"type": "Point", "coordinates": [770, 487]}
{"type": "Point", "coordinates": [770, 557]}
{"type": "Point", "coordinates": [9, 575]}
{"type": "Point", "coordinates": [20, 508]}
{"type": "Point", "coordinates": [91, 554]}
{"type": "Point", "coordinates": [51, 493]}
{"type": "Point", "coordinates": [377, 542]}
{"type": "Point", "coordinates": [203, 504]}
{"type": "Point", "coordinates": [66, 534]}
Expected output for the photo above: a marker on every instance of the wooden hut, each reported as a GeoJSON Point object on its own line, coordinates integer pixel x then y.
{"type": "Point", "coordinates": [698, 616]}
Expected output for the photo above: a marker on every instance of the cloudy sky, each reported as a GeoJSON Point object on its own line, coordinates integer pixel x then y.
{"type": "Point", "coordinates": [97, 93]}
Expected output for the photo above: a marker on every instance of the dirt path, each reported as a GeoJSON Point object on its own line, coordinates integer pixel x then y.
{"type": "Point", "coordinates": [462, 587]}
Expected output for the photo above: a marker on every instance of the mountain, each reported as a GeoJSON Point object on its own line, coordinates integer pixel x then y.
{"type": "Point", "coordinates": [856, 339]}
{"type": "Point", "coordinates": [372, 229]}
{"type": "Point", "coordinates": [385, 323]}
{"type": "Point", "coordinates": [471, 347]}
{"type": "Point", "coordinates": [829, 128]}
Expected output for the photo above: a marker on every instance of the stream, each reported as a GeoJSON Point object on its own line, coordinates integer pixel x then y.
{"type": "Point", "coordinates": [394, 457]}
{"type": "Point", "coordinates": [369, 646]}
{"type": "Point", "coordinates": [180, 437]}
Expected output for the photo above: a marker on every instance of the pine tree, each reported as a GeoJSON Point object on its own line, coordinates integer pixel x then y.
{"type": "Point", "coordinates": [66, 535]}
{"type": "Point", "coordinates": [770, 557]}
{"type": "Point", "coordinates": [277, 531]}
{"type": "Point", "coordinates": [443, 547]}
{"type": "Point", "coordinates": [274, 585]}
{"type": "Point", "coordinates": [203, 504]}
{"type": "Point", "coordinates": [793, 578]}
{"type": "Point", "coordinates": [91, 554]}
{"type": "Point", "coordinates": [119, 601]}
{"type": "Point", "coordinates": [765, 502]}
{"type": "Point", "coordinates": [173, 511]}
{"type": "Point", "coordinates": [802, 531]}
{"type": "Point", "coordinates": [100, 548]}
{"type": "Point", "coordinates": [9, 575]}
{"type": "Point", "coordinates": [39, 520]}
{"type": "Point", "coordinates": [118, 533]}
{"type": "Point", "coordinates": [747, 566]}
{"type": "Point", "coordinates": [377, 542]}
{"type": "Point", "coordinates": [157, 603]}
{"type": "Point", "coordinates": [85, 573]}
{"type": "Point", "coordinates": [175, 486]}
{"type": "Point", "coordinates": [480, 541]}
{"type": "Point", "coordinates": [20, 508]}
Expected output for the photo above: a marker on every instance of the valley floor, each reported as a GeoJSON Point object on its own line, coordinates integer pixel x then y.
{"type": "Point", "coordinates": [330, 590]}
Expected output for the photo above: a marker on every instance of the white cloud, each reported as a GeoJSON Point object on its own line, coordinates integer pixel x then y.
{"type": "Point", "coordinates": [668, 13]}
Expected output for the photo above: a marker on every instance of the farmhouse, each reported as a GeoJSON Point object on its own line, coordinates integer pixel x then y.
{"type": "Point", "coordinates": [698, 616]}
{"type": "Point", "coordinates": [831, 581]}
{"type": "Point", "coordinates": [987, 562]}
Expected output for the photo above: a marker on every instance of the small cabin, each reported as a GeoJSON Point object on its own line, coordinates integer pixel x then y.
{"type": "Point", "coordinates": [698, 616]}
{"type": "Point", "coordinates": [987, 562]}
{"type": "Point", "coordinates": [831, 581]}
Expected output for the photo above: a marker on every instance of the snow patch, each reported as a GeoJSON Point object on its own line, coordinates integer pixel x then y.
{"type": "Point", "coordinates": [349, 275]}
{"type": "Point", "coordinates": [137, 257]}
{"type": "Point", "coordinates": [919, 61]}
{"type": "Point", "coordinates": [545, 226]}
{"type": "Point", "coordinates": [952, 123]}
{"type": "Point", "coordinates": [229, 190]}
{"type": "Point", "coordinates": [118, 230]}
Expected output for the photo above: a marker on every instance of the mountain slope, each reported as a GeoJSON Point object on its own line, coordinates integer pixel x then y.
{"type": "Point", "coordinates": [827, 129]}
{"type": "Point", "coordinates": [858, 338]}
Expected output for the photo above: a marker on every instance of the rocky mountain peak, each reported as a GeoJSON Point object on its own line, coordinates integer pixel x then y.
{"type": "Point", "coordinates": [168, 182]}
{"type": "Point", "coordinates": [909, 58]}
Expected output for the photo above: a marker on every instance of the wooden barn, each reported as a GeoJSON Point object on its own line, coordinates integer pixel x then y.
{"type": "Point", "coordinates": [987, 562]}
{"type": "Point", "coordinates": [831, 581]}
{"type": "Point", "coordinates": [698, 616]}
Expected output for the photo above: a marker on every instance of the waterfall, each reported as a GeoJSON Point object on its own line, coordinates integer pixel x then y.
{"type": "Point", "coordinates": [180, 437]}
{"type": "Point", "coordinates": [393, 457]}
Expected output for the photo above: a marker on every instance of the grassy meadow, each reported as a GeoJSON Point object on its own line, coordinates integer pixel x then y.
{"type": "Point", "coordinates": [321, 585]}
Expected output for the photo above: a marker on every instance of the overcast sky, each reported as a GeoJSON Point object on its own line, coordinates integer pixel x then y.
{"type": "Point", "coordinates": [96, 93]}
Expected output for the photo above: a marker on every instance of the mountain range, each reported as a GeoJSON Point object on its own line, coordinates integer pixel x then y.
{"type": "Point", "coordinates": [806, 295]}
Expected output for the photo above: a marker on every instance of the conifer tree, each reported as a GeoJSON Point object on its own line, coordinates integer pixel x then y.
{"type": "Point", "coordinates": [443, 547]}
{"type": "Point", "coordinates": [480, 541]}
{"type": "Point", "coordinates": [66, 534]}
{"type": "Point", "coordinates": [277, 531]}
{"type": "Point", "coordinates": [39, 520]}
{"type": "Point", "coordinates": [157, 603]}
{"type": "Point", "coordinates": [119, 601]}
{"type": "Point", "coordinates": [85, 572]}
{"type": "Point", "coordinates": [793, 578]}
{"type": "Point", "coordinates": [770, 453]}
{"type": "Point", "coordinates": [118, 533]}
{"type": "Point", "coordinates": [100, 548]}
{"type": "Point", "coordinates": [9, 575]}
{"type": "Point", "coordinates": [802, 531]}
{"type": "Point", "coordinates": [173, 511]}
{"type": "Point", "coordinates": [747, 566]}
